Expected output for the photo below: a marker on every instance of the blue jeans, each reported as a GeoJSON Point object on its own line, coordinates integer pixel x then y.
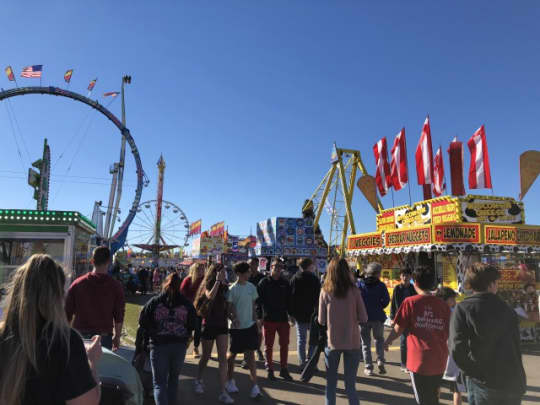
{"type": "Point", "coordinates": [351, 359]}
{"type": "Point", "coordinates": [479, 394]}
{"type": "Point", "coordinates": [301, 341]}
{"type": "Point", "coordinates": [167, 360]}
{"type": "Point", "coordinates": [365, 333]}
{"type": "Point", "coordinates": [403, 349]}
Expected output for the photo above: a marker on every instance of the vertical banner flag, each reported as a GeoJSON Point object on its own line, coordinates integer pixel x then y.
{"type": "Point", "coordinates": [195, 227]}
{"type": "Point", "coordinates": [382, 176]}
{"type": "Point", "coordinates": [9, 74]}
{"type": "Point", "coordinates": [438, 174]}
{"type": "Point", "coordinates": [455, 154]}
{"type": "Point", "coordinates": [217, 229]}
{"type": "Point", "coordinates": [398, 164]}
{"type": "Point", "coordinates": [92, 84]}
{"type": "Point", "coordinates": [67, 75]}
{"type": "Point", "coordinates": [32, 72]}
{"type": "Point", "coordinates": [479, 172]}
{"type": "Point", "coordinates": [424, 160]}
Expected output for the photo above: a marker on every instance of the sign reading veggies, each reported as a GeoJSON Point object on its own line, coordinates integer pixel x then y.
{"type": "Point", "coordinates": [365, 241]}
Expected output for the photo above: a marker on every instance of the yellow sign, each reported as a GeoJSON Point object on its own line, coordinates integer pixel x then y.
{"type": "Point", "coordinates": [418, 236]}
{"type": "Point", "coordinates": [512, 235]}
{"type": "Point", "coordinates": [365, 241]}
{"type": "Point", "coordinates": [492, 210]}
{"type": "Point", "coordinates": [445, 211]}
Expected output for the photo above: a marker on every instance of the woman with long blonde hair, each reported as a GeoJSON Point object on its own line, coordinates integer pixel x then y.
{"type": "Point", "coordinates": [189, 289]}
{"type": "Point", "coordinates": [341, 310]}
{"type": "Point", "coordinates": [44, 361]}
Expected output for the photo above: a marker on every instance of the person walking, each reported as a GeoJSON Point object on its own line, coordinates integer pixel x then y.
{"type": "Point", "coordinates": [143, 280]}
{"type": "Point", "coordinates": [189, 287]}
{"type": "Point", "coordinates": [376, 298]}
{"type": "Point", "coordinates": [255, 278]}
{"type": "Point", "coordinates": [485, 341]}
{"type": "Point", "coordinates": [44, 361]}
{"type": "Point", "coordinates": [90, 315]}
{"type": "Point", "coordinates": [426, 318]}
{"type": "Point", "coordinates": [212, 296]}
{"type": "Point", "coordinates": [401, 291]}
{"type": "Point", "coordinates": [168, 319]}
{"type": "Point", "coordinates": [242, 298]}
{"type": "Point", "coordinates": [305, 290]}
{"type": "Point", "coordinates": [341, 309]}
{"type": "Point", "coordinates": [275, 301]}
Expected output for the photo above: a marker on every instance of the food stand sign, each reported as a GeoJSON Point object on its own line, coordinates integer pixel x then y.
{"type": "Point", "coordinates": [386, 221]}
{"type": "Point", "coordinates": [410, 217]}
{"type": "Point", "coordinates": [456, 233]}
{"type": "Point", "coordinates": [445, 211]}
{"type": "Point", "coordinates": [511, 235]}
{"type": "Point", "coordinates": [409, 237]}
{"type": "Point", "coordinates": [365, 241]}
{"type": "Point", "coordinates": [494, 210]}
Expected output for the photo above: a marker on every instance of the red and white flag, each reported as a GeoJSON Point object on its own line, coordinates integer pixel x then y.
{"type": "Point", "coordinates": [439, 184]}
{"type": "Point", "coordinates": [382, 176]}
{"type": "Point", "coordinates": [424, 160]}
{"type": "Point", "coordinates": [479, 172]}
{"type": "Point", "coordinates": [455, 154]}
{"type": "Point", "coordinates": [398, 163]}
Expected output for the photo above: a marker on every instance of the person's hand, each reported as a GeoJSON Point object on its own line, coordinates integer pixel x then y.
{"type": "Point", "coordinates": [93, 350]}
{"type": "Point", "coordinates": [115, 343]}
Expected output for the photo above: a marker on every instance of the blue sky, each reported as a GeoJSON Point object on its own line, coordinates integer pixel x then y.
{"type": "Point", "coordinates": [244, 98]}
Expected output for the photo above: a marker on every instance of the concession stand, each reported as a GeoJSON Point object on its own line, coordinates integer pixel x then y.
{"type": "Point", "coordinates": [450, 233]}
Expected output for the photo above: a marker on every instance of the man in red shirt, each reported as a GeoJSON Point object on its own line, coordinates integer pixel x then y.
{"type": "Point", "coordinates": [95, 302]}
{"type": "Point", "coordinates": [426, 318]}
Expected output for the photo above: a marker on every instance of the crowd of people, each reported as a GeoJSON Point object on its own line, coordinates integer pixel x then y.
{"type": "Point", "coordinates": [474, 346]}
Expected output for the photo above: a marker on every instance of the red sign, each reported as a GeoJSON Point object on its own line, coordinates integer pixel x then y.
{"type": "Point", "coordinates": [444, 211]}
{"type": "Point", "coordinates": [415, 236]}
{"type": "Point", "coordinates": [456, 233]}
{"type": "Point", "coordinates": [365, 241]}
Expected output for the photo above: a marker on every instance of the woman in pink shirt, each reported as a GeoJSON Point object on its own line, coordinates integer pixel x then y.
{"type": "Point", "coordinates": [341, 310]}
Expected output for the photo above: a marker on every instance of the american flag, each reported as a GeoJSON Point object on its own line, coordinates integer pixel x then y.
{"type": "Point", "coordinates": [32, 71]}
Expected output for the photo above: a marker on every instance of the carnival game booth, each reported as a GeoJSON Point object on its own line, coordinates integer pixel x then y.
{"type": "Point", "coordinates": [450, 233]}
{"type": "Point", "coordinates": [290, 239]}
{"type": "Point", "coordinates": [207, 246]}
{"type": "Point", "coordinates": [67, 236]}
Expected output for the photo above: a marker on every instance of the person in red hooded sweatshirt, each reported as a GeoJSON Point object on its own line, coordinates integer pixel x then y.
{"type": "Point", "coordinates": [95, 303]}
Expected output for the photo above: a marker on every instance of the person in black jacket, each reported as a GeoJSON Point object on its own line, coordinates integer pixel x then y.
{"type": "Point", "coordinates": [485, 342]}
{"type": "Point", "coordinates": [305, 290]}
{"type": "Point", "coordinates": [168, 319]}
{"type": "Point", "coordinates": [255, 278]}
{"type": "Point", "coordinates": [402, 291]}
{"type": "Point", "coordinates": [275, 298]}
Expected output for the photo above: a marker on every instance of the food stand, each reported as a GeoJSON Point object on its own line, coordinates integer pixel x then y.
{"type": "Point", "coordinates": [67, 236]}
{"type": "Point", "coordinates": [450, 233]}
{"type": "Point", "coordinates": [291, 239]}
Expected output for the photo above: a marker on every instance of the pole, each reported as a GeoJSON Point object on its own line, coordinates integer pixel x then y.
{"type": "Point", "coordinates": [159, 203]}
{"type": "Point", "coordinates": [114, 172]}
{"type": "Point", "coordinates": [121, 161]}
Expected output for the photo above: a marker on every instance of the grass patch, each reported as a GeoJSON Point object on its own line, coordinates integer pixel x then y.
{"type": "Point", "coordinates": [134, 305]}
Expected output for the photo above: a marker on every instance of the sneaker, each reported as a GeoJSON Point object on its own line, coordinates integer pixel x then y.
{"type": "Point", "coordinates": [271, 375]}
{"type": "Point", "coordinates": [199, 387]}
{"type": "Point", "coordinates": [225, 398]}
{"type": "Point", "coordinates": [196, 353]}
{"type": "Point", "coordinates": [255, 392]}
{"type": "Point", "coordinates": [368, 371]}
{"type": "Point", "coordinates": [284, 373]}
{"type": "Point", "coordinates": [380, 365]}
{"type": "Point", "coordinates": [230, 387]}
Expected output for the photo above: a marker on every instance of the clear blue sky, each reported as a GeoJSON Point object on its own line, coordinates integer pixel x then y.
{"type": "Point", "coordinates": [244, 98]}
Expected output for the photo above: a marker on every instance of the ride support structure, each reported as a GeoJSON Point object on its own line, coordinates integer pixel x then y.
{"type": "Point", "coordinates": [157, 234]}
{"type": "Point", "coordinates": [335, 193]}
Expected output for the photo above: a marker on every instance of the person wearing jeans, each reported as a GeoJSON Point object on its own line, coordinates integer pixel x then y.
{"type": "Point", "coordinates": [341, 308]}
{"type": "Point", "coordinates": [376, 298]}
{"type": "Point", "coordinates": [168, 319]}
{"type": "Point", "coordinates": [167, 361]}
{"type": "Point", "coordinates": [305, 290]}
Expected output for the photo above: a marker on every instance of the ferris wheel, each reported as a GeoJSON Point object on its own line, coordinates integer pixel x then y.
{"type": "Point", "coordinates": [169, 232]}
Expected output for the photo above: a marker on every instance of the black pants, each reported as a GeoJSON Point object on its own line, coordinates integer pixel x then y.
{"type": "Point", "coordinates": [426, 388]}
{"type": "Point", "coordinates": [197, 332]}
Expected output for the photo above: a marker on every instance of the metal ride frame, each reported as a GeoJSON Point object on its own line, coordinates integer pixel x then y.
{"type": "Point", "coordinates": [345, 159]}
{"type": "Point", "coordinates": [56, 91]}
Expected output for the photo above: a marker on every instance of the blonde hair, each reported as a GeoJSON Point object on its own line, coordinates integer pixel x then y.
{"type": "Point", "coordinates": [194, 272]}
{"type": "Point", "coordinates": [338, 278]}
{"type": "Point", "coordinates": [34, 311]}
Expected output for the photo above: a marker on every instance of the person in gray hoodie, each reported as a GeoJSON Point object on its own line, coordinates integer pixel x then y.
{"type": "Point", "coordinates": [376, 298]}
